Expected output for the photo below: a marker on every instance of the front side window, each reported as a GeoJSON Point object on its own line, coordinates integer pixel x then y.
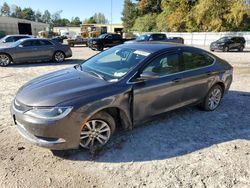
{"type": "Point", "coordinates": [194, 60]}
{"type": "Point", "coordinates": [164, 65]}
{"type": "Point", "coordinates": [114, 63]}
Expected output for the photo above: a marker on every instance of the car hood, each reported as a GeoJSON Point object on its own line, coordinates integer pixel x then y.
{"type": "Point", "coordinates": [58, 87]}
{"type": "Point", "coordinates": [5, 45]}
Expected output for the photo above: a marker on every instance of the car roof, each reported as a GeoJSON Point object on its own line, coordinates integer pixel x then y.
{"type": "Point", "coordinates": [27, 39]}
{"type": "Point", "coordinates": [153, 46]}
{"type": "Point", "coordinates": [18, 35]}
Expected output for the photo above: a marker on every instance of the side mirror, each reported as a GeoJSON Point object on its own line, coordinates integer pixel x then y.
{"type": "Point", "coordinates": [20, 46]}
{"type": "Point", "coordinates": [3, 41]}
{"type": "Point", "coordinates": [147, 76]}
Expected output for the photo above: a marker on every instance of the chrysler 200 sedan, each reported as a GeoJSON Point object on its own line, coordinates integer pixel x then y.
{"type": "Point", "coordinates": [120, 87]}
{"type": "Point", "coordinates": [33, 50]}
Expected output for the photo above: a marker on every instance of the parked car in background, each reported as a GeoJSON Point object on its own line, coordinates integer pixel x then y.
{"type": "Point", "coordinates": [106, 40]}
{"type": "Point", "coordinates": [33, 50]}
{"type": "Point", "coordinates": [57, 39]}
{"type": "Point", "coordinates": [157, 37]}
{"type": "Point", "coordinates": [226, 44]}
{"type": "Point", "coordinates": [67, 34]}
{"type": "Point", "coordinates": [14, 38]}
{"type": "Point", "coordinates": [76, 40]}
{"type": "Point", "coordinates": [120, 87]}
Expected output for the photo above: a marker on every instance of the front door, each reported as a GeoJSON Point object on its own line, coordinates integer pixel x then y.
{"type": "Point", "coordinates": [161, 94]}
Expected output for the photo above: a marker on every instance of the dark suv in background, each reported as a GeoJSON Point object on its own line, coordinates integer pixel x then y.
{"type": "Point", "coordinates": [228, 43]}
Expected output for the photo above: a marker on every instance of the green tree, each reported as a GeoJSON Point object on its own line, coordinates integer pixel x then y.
{"type": "Point", "coordinates": [46, 17]}
{"type": "Point", "coordinates": [5, 10]}
{"type": "Point", "coordinates": [128, 15]}
{"type": "Point", "coordinates": [38, 16]}
{"type": "Point", "coordinates": [145, 23]}
{"type": "Point", "coordinates": [90, 20]}
{"type": "Point", "coordinates": [100, 18]}
{"type": "Point", "coordinates": [28, 14]}
{"type": "Point", "coordinates": [75, 22]}
{"type": "Point", "coordinates": [149, 6]}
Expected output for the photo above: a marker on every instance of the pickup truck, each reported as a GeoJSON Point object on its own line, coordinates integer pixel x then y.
{"type": "Point", "coordinates": [77, 40]}
{"type": "Point", "coordinates": [157, 37]}
{"type": "Point", "coordinates": [105, 40]}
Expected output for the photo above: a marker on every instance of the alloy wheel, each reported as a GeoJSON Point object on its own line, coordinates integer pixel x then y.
{"type": "Point", "coordinates": [214, 99]}
{"type": "Point", "coordinates": [59, 57]}
{"type": "Point", "coordinates": [95, 133]}
{"type": "Point", "coordinates": [4, 60]}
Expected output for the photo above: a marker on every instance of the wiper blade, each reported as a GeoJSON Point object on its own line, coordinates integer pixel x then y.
{"type": "Point", "coordinates": [96, 74]}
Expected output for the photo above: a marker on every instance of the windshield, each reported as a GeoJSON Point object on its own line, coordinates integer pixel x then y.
{"type": "Point", "coordinates": [102, 36]}
{"type": "Point", "coordinates": [142, 38]}
{"type": "Point", "coordinates": [223, 39]}
{"type": "Point", "coordinates": [114, 63]}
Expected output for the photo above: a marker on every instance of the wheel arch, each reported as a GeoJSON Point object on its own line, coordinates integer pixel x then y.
{"type": "Point", "coordinates": [5, 53]}
{"type": "Point", "coordinates": [121, 118]}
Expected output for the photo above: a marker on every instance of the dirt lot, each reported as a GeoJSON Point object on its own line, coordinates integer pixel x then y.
{"type": "Point", "coordinates": [185, 148]}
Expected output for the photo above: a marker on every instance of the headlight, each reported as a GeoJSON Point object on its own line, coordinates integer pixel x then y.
{"type": "Point", "coordinates": [94, 42]}
{"type": "Point", "coordinates": [53, 113]}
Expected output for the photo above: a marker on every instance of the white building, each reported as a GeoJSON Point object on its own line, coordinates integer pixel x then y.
{"type": "Point", "coordinates": [10, 25]}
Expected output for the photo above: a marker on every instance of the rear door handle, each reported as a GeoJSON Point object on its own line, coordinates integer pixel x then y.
{"type": "Point", "coordinates": [176, 80]}
{"type": "Point", "coordinates": [209, 73]}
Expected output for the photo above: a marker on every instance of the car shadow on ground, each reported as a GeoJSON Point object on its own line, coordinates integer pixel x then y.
{"type": "Point", "coordinates": [41, 64]}
{"type": "Point", "coordinates": [176, 133]}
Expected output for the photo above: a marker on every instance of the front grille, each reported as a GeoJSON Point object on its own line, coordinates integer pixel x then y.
{"type": "Point", "coordinates": [21, 107]}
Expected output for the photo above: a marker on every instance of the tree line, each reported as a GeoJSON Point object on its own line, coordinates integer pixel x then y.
{"type": "Point", "coordinates": [54, 19]}
{"type": "Point", "coordinates": [186, 15]}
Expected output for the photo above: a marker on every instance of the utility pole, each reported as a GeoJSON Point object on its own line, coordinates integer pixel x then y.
{"type": "Point", "coordinates": [111, 24]}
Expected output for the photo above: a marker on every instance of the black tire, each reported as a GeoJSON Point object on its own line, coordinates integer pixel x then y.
{"type": "Point", "coordinates": [58, 56]}
{"type": "Point", "coordinates": [102, 119]}
{"type": "Point", "coordinates": [241, 48]}
{"type": "Point", "coordinates": [100, 47]}
{"type": "Point", "coordinates": [226, 49]}
{"type": "Point", "coordinates": [211, 50]}
{"type": "Point", "coordinates": [5, 60]}
{"type": "Point", "coordinates": [205, 105]}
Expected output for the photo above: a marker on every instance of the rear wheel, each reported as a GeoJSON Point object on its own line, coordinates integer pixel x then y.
{"type": "Point", "coordinates": [97, 131]}
{"type": "Point", "coordinates": [59, 57]}
{"type": "Point", "coordinates": [213, 98]}
{"type": "Point", "coordinates": [241, 48]}
{"type": "Point", "coordinates": [226, 49]}
{"type": "Point", "coordinates": [5, 60]}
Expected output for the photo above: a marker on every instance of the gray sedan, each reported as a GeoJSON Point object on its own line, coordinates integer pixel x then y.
{"type": "Point", "coordinates": [33, 50]}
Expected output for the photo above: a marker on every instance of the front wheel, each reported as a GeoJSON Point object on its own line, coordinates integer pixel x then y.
{"type": "Point", "coordinates": [97, 131]}
{"type": "Point", "coordinates": [5, 60]}
{"type": "Point", "coordinates": [213, 98]}
{"type": "Point", "coordinates": [59, 57]}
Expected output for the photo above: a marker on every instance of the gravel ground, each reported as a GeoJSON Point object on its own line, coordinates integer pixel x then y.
{"type": "Point", "coordinates": [185, 148]}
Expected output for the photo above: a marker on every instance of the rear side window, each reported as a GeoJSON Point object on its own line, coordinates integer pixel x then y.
{"type": "Point", "coordinates": [45, 43]}
{"type": "Point", "coordinates": [195, 60]}
{"type": "Point", "coordinates": [117, 37]}
{"type": "Point", "coordinates": [158, 37]}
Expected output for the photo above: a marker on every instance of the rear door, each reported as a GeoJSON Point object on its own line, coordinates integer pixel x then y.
{"type": "Point", "coordinates": [198, 75]}
{"type": "Point", "coordinates": [45, 50]}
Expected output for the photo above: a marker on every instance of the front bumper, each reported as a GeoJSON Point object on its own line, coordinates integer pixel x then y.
{"type": "Point", "coordinates": [56, 135]}
{"type": "Point", "coordinates": [216, 47]}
